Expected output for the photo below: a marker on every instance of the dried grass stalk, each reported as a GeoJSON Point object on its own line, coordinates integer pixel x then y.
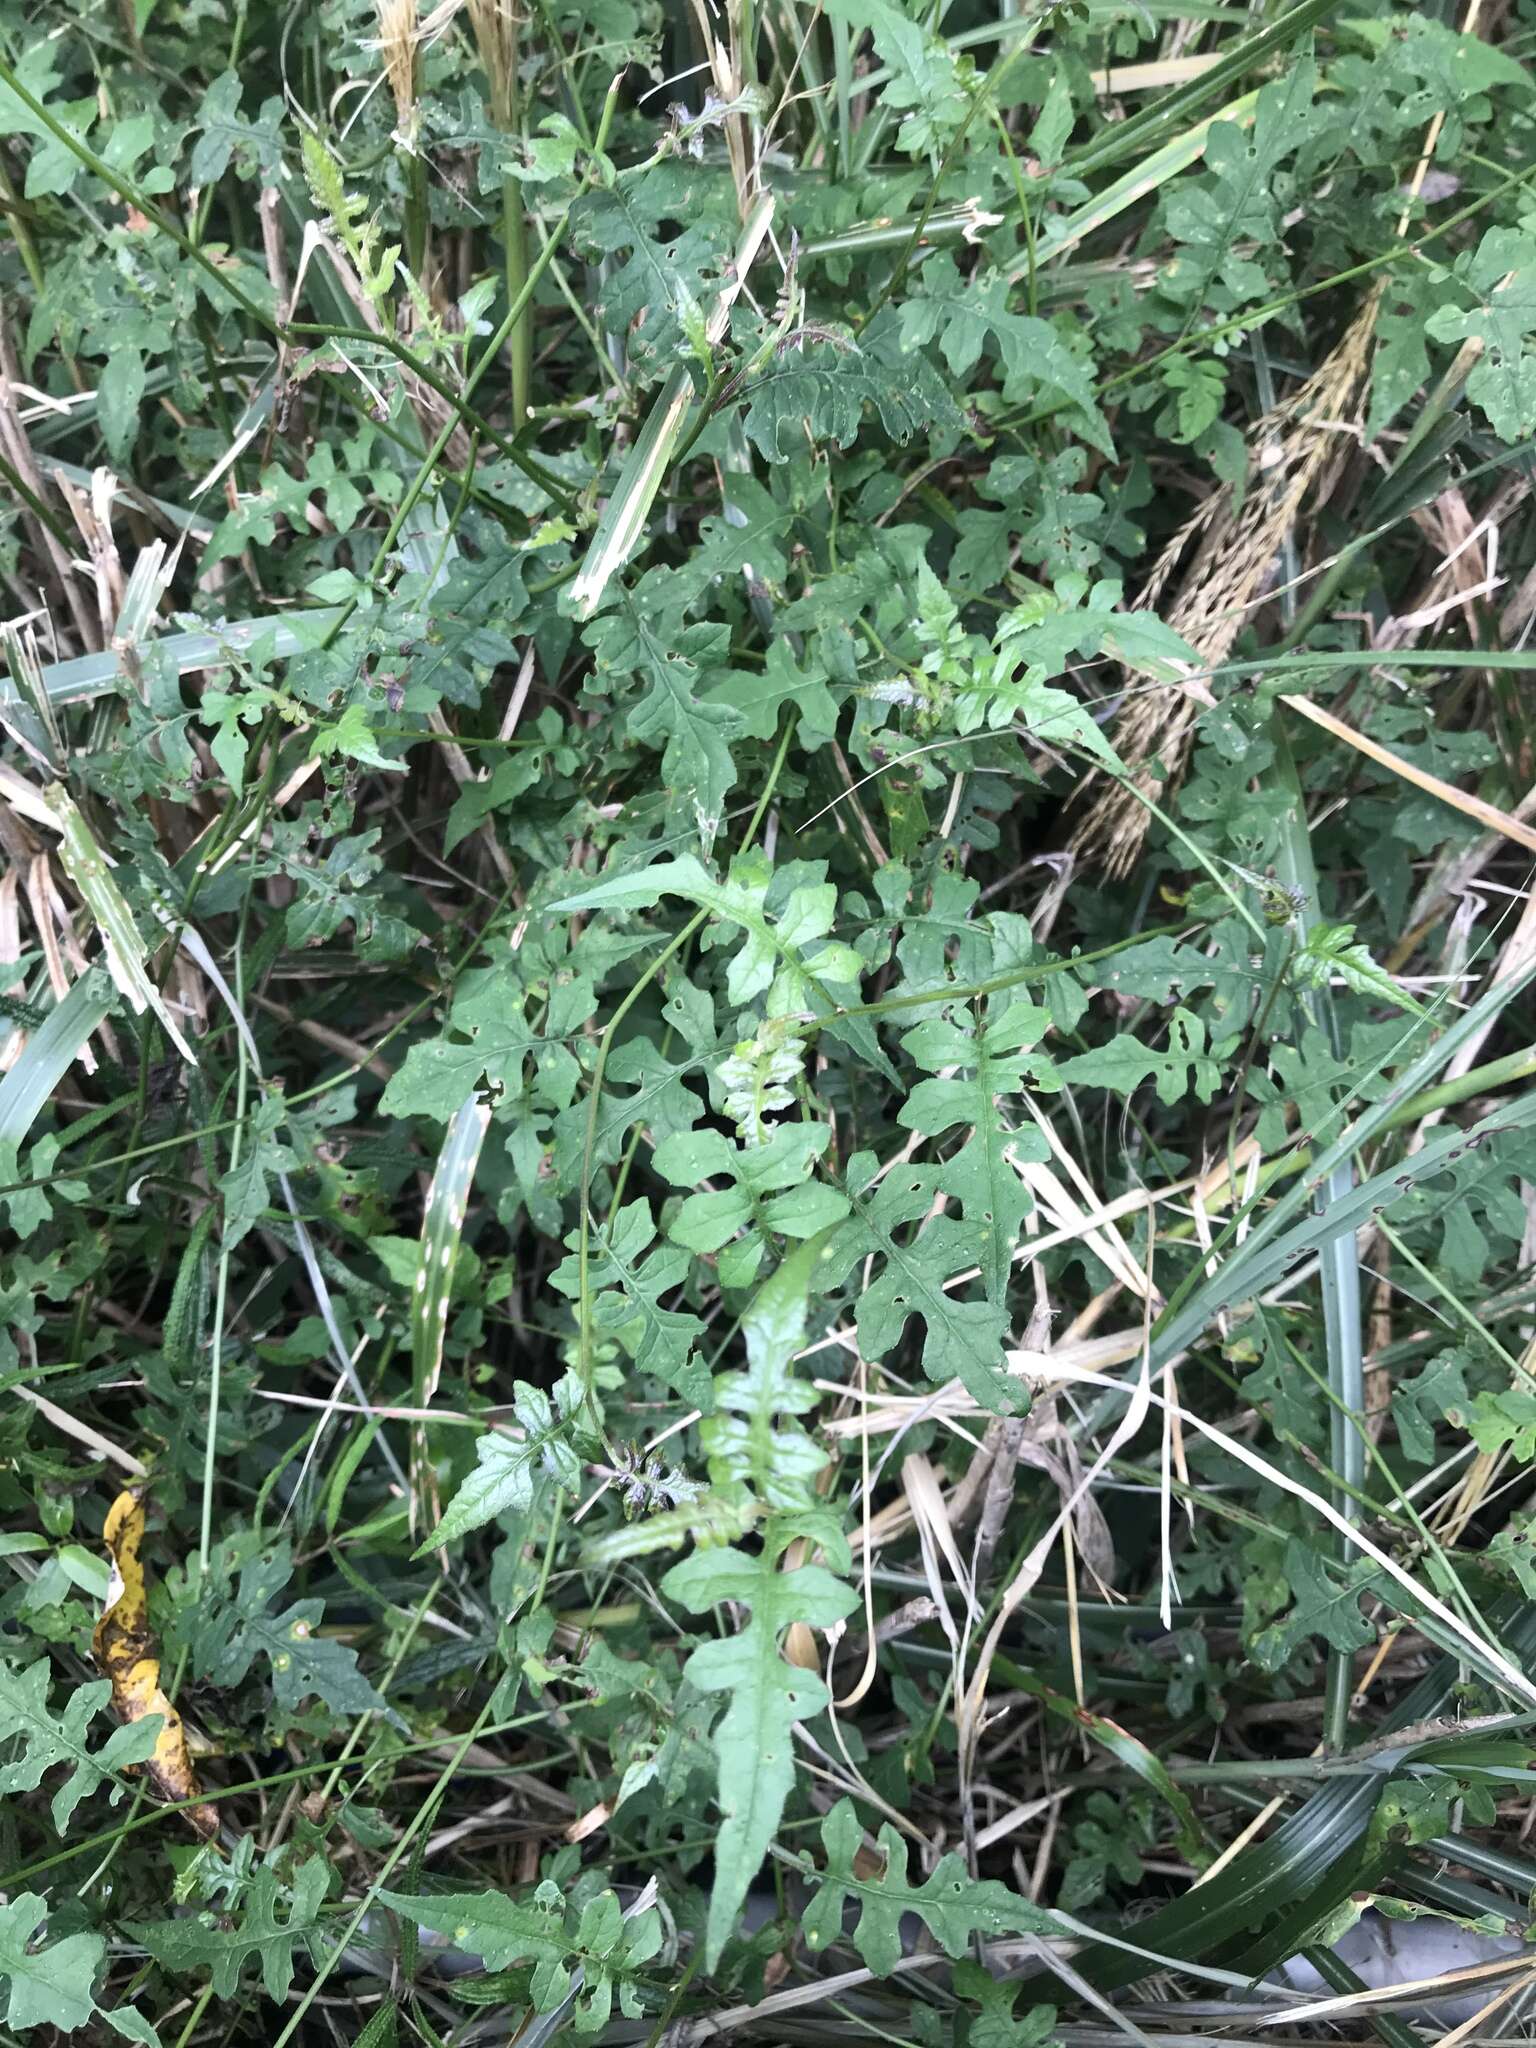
{"type": "Point", "coordinates": [497, 24]}
{"type": "Point", "coordinates": [1296, 452]}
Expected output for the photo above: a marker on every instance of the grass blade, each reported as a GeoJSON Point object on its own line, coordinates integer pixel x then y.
{"type": "Point", "coordinates": [49, 1053]}
{"type": "Point", "coordinates": [1153, 172]}
{"type": "Point", "coordinates": [90, 675]}
{"type": "Point", "coordinates": [1274, 1892]}
{"type": "Point", "coordinates": [442, 1226]}
{"type": "Point", "coordinates": [90, 871]}
{"type": "Point", "coordinates": [1340, 1265]}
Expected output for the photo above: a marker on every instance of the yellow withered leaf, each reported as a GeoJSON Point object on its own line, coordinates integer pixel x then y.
{"type": "Point", "coordinates": [125, 1654]}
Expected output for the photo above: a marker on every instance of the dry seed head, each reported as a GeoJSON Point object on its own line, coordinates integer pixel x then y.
{"type": "Point", "coordinates": [397, 47]}
{"type": "Point", "coordinates": [1294, 449]}
{"type": "Point", "coordinates": [497, 24]}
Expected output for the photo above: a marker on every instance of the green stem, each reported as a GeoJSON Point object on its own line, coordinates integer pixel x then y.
{"type": "Point", "coordinates": [195, 2016]}
{"type": "Point", "coordinates": [514, 235]}
{"type": "Point", "coordinates": [11, 207]}
{"type": "Point", "coordinates": [951, 992]}
{"type": "Point", "coordinates": [221, 1298]}
{"type": "Point", "coordinates": [418, 213]}
{"type": "Point", "coordinates": [1514, 1066]}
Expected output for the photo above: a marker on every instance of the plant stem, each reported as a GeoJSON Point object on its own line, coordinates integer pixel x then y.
{"type": "Point", "coordinates": [514, 236]}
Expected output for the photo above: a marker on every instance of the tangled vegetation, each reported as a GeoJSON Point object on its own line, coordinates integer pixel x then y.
{"type": "Point", "coordinates": [766, 1016]}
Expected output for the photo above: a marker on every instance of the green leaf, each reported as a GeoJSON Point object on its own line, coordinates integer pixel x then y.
{"type": "Point", "coordinates": [1125, 1063]}
{"type": "Point", "coordinates": [926, 83]}
{"type": "Point", "coordinates": [49, 1986]}
{"type": "Point", "coordinates": [1158, 971]}
{"type": "Point", "coordinates": [1236, 200]}
{"type": "Point", "coordinates": [788, 957]}
{"type": "Point", "coordinates": [498, 1930]}
{"type": "Point", "coordinates": [119, 394]}
{"type": "Point", "coordinates": [979, 1068]}
{"type": "Point", "coordinates": [759, 697]}
{"type": "Point", "coordinates": [218, 118]}
{"type": "Point", "coordinates": [1330, 954]}
{"type": "Point", "coordinates": [754, 1738]}
{"type": "Point", "coordinates": [351, 738]}
{"type": "Point", "coordinates": [694, 734]}
{"type": "Point", "coordinates": [276, 1922]}
{"type": "Point", "coordinates": [263, 1155]}
{"type": "Point", "coordinates": [963, 1338]}
{"type": "Point", "coordinates": [1038, 640]}
{"type": "Point", "coordinates": [302, 1662]}
{"type": "Point", "coordinates": [1437, 1394]}
{"type": "Point", "coordinates": [1502, 276]}
{"type": "Point", "coordinates": [775, 1192]}
{"type": "Point", "coordinates": [950, 1903]}
{"type": "Point", "coordinates": [382, 2031]}
{"type": "Point", "coordinates": [1507, 1418]}
{"type": "Point", "coordinates": [47, 1740]}
{"type": "Point", "coordinates": [660, 1340]}
{"type": "Point", "coordinates": [818, 389]}
{"type": "Point", "coordinates": [594, 1948]}
{"type": "Point", "coordinates": [754, 1441]}
{"type": "Point", "coordinates": [1514, 1551]}
{"type": "Point", "coordinates": [484, 1046]}
{"type": "Point", "coordinates": [508, 1469]}
{"type": "Point", "coordinates": [1324, 1606]}
{"type": "Point", "coordinates": [648, 295]}
{"type": "Point", "coordinates": [964, 317]}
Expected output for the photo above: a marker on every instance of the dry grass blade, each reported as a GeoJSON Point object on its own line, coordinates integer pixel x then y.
{"type": "Point", "coordinates": [936, 1541]}
{"type": "Point", "coordinates": [73, 1426]}
{"type": "Point", "coordinates": [1415, 1988]}
{"type": "Point", "coordinates": [1155, 76]}
{"type": "Point", "coordinates": [969, 1715]}
{"type": "Point", "coordinates": [496, 26]}
{"type": "Point", "coordinates": [1489, 816]}
{"type": "Point", "coordinates": [1487, 1655]}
